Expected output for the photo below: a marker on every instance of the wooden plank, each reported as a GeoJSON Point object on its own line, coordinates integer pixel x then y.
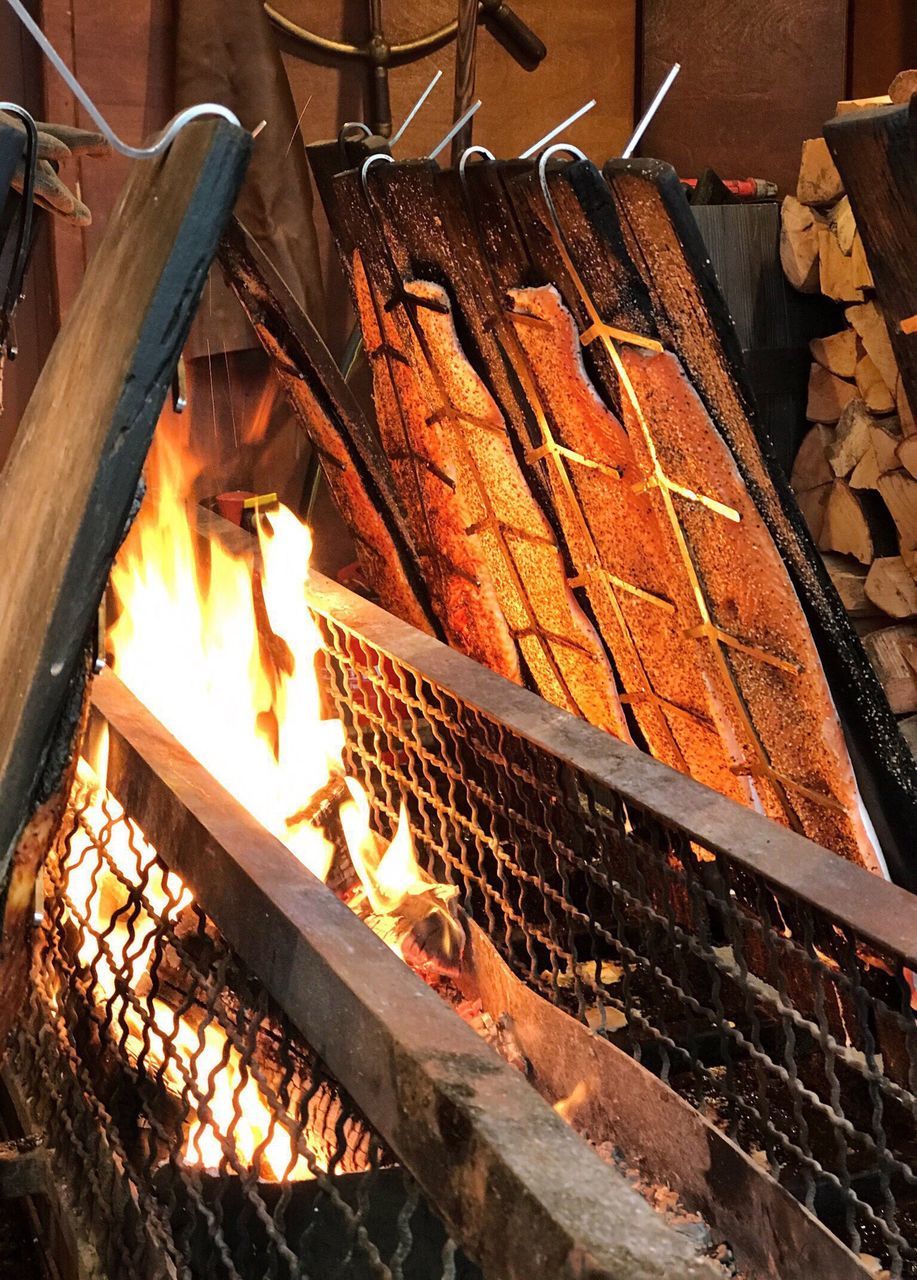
{"type": "Point", "coordinates": [67, 489]}
{"type": "Point", "coordinates": [876, 153]}
{"type": "Point", "coordinates": [473, 1121]}
{"type": "Point", "coordinates": [357, 472]}
{"type": "Point", "coordinates": [695, 321]}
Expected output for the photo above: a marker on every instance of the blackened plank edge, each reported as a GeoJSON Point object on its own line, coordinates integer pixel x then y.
{"type": "Point", "coordinates": [146, 382]}
{"type": "Point", "coordinates": [885, 769]}
{"type": "Point", "coordinates": [274, 311]}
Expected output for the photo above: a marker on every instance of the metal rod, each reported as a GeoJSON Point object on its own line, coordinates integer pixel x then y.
{"type": "Point", "coordinates": [416, 107]}
{"type": "Point", "coordinates": [651, 111]}
{"type": "Point", "coordinates": [558, 128]}
{"type": "Point", "coordinates": [454, 130]}
{"type": "Point", "coordinates": [164, 139]}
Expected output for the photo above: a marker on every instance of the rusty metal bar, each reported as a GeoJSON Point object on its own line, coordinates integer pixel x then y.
{"type": "Point", "coordinates": [522, 1193]}
{"type": "Point", "coordinates": [874, 909]}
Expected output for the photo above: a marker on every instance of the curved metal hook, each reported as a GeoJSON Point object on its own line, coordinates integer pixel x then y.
{"type": "Point", "coordinates": [543, 176]}
{"type": "Point", "coordinates": [348, 125]}
{"type": "Point", "coordinates": [162, 140]}
{"type": "Point", "coordinates": [21, 255]}
{"type": "Point", "coordinates": [466, 156]}
{"type": "Point", "coordinates": [379, 157]}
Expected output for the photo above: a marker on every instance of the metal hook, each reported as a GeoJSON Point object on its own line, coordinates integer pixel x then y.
{"type": "Point", "coordinates": [559, 128]}
{"type": "Point", "coordinates": [459, 124]}
{"type": "Point", "coordinates": [349, 126]}
{"type": "Point", "coordinates": [377, 158]}
{"type": "Point", "coordinates": [23, 240]}
{"type": "Point", "coordinates": [165, 137]}
{"type": "Point", "coordinates": [468, 153]}
{"type": "Point", "coordinates": [416, 107]}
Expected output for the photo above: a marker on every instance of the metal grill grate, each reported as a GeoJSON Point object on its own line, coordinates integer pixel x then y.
{"type": "Point", "coordinates": [197, 1134]}
{"type": "Point", "coordinates": [751, 994]}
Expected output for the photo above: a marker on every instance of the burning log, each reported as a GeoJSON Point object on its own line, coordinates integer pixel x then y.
{"type": "Point", "coordinates": [65, 501]}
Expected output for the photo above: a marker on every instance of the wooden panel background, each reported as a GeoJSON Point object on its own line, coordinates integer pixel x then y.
{"type": "Point", "coordinates": [757, 77]}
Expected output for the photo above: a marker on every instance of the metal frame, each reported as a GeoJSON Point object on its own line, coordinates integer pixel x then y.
{"type": "Point", "coordinates": [514, 1184]}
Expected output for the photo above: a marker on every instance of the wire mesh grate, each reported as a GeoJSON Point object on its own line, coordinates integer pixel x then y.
{"type": "Point", "coordinates": [788, 1031]}
{"type": "Point", "coordinates": [196, 1132]}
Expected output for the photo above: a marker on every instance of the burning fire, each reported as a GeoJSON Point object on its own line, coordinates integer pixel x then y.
{"type": "Point", "coordinates": [223, 653]}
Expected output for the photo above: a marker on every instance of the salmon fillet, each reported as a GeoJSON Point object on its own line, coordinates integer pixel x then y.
{"type": "Point", "coordinates": [626, 558]}
{"type": "Point", "coordinates": [562, 650]}
{"type": "Point", "coordinates": [457, 573]}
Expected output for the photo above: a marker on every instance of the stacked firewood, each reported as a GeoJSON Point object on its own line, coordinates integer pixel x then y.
{"type": "Point", "coordinates": [855, 475]}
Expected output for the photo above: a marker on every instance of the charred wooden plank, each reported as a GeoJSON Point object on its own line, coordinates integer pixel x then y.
{"type": "Point", "coordinates": [562, 652]}
{"type": "Point", "coordinates": [67, 489]}
{"type": "Point", "coordinates": [876, 153]}
{"type": "Point", "coordinates": [693, 320]}
{"type": "Point", "coordinates": [460, 580]}
{"type": "Point", "coordinates": [356, 470]}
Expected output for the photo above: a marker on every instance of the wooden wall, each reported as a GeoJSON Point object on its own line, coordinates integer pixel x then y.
{"type": "Point", "coordinates": [757, 77]}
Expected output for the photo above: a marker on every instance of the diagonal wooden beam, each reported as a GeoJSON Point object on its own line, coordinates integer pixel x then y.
{"type": "Point", "coordinates": [71, 478]}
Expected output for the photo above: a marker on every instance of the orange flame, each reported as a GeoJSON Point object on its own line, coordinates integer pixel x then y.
{"type": "Point", "coordinates": [239, 690]}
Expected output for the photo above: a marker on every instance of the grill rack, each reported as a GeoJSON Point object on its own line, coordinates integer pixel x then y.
{"type": "Point", "coordinates": [766, 981]}
{"type": "Point", "coordinates": [99, 1074]}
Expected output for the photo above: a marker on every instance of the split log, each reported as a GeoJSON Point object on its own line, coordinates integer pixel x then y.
{"type": "Point", "coordinates": [889, 651]}
{"type": "Point", "coordinates": [860, 104]}
{"type": "Point", "coordinates": [875, 151]}
{"type": "Point", "coordinates": [862, 276]}
{"type": "Point", "coordinates": [819, 181]}
{"type": "Point", "coordinates": [872, 331]}
{"type": "Point", "coordinates": [886, 441]}
{"type": "Point", "coordinates": [871, 386]}
{"type": "Point", "coordinates": [903, 87]}
{"type": "Point", "coordinates": [907, 455]}
{"type": "Point", "coordinates": [856, 524]}
{"type": "Point", "coordinates": [828, 395]}
{"type": "Point", "coordinates": [65, 498]}
{"type": "Point", "coordinates": [843, 225]}
{"type": "Point", "coordinates": [899, 490]}
{"type": "Point", "coordinates": [811, 468]}
{"type": "Point", "coordinates": [849, 580]}
{"type": "Point", "coordinates": [891, 588]}
{"type": "Point", "coordinates": [851, 439]}
{"type": "Point", "coordinates": [813, 504]}
{"type": "Point", "coordinates": [799, 245]}
{"type": "Point", "coordinates": [837, 353]}
{"type": "Point", "coordinates": [835, 270]}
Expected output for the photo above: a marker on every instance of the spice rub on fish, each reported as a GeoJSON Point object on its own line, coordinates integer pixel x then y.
{"type": "Point", "coordinates": [564, 654]}
{"type": "Point", "coordinates": [754, 627]}
{"type": "Point", "coordinates": [425, 473]}
{"type": "Point", "coordinates": [625, 557]}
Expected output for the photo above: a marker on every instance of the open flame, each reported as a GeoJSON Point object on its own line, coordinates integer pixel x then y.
{"type": "Point", "coordinates": [223, 654]}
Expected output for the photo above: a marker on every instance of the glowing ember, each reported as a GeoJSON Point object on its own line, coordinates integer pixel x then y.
{"type": "Point", "coordinates": [223, 654]}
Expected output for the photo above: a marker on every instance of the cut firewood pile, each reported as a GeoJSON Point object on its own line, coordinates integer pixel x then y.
{"type": "Point", "coordinates": [855, 475]}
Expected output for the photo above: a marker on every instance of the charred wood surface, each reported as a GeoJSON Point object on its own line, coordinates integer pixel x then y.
{"type": "Point", "coordinates": [357, 472]}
